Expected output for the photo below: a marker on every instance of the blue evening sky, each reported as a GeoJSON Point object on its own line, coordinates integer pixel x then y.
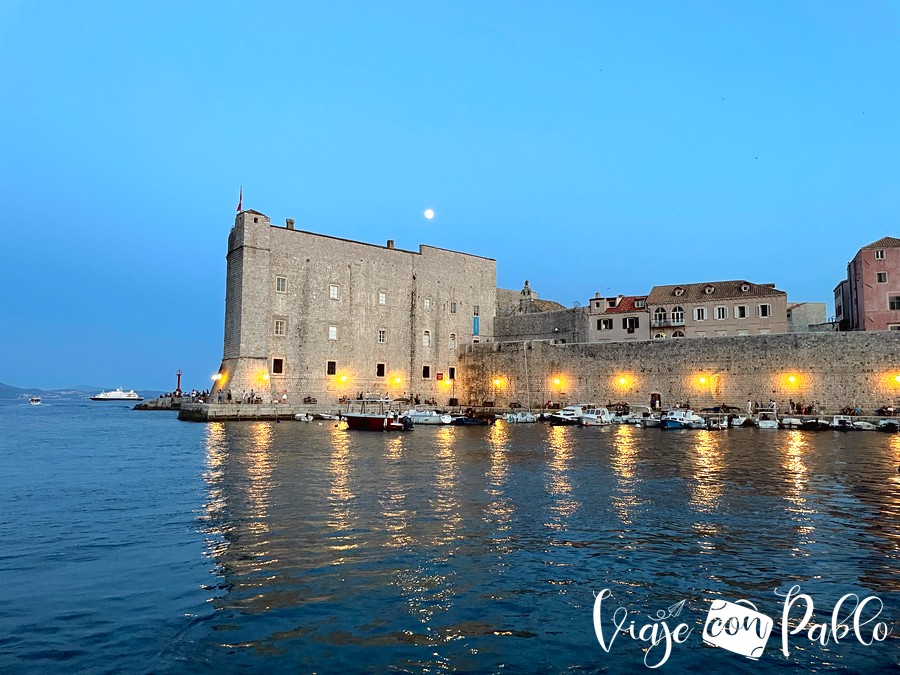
{"type": "Point", "coordinates": [586, 146]}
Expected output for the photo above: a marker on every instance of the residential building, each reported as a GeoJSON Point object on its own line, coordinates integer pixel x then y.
{"type": "Point", "coordinates": [842, 305]}
{"type": "Point", "coordinates": [623, 318]}
{"type": "Point", "coordinates": [716, 309]}
{"type": "Point", "coordinates": [802, 315]}
{"type": "Point", "coordinates": [873, 283]}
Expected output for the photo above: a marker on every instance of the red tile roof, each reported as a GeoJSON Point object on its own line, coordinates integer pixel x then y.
{"type": "Point", "coordinates": [626, 304]}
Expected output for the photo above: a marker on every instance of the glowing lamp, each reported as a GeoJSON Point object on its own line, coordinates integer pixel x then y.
{"type": "Point", "coordinates": [702, 380]}
{"type": "Point", "coordinates": [397, 380]}
{"type": "Point", "coordinates": [496, 381]}
{"type": "Point", "coordinates": [555, 380]}
{"type": "Point", "coordinates": [343, 378]}
{"type": "Point", "coordinates": [897, 379]}
{"type": "Point", "coordinates": [265, 376]}
{"type": "Point", "coordinates": [792, 379]}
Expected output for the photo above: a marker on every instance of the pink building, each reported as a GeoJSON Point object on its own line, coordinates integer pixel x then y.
{"type": "Point", "coordinates": [872, 289]}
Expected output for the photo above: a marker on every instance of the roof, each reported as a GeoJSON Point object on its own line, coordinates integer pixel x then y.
{"type": "Point", "coordinates": [720, 290]}
{"type": "Point", "coordinates": [548, 305]}
{"type": "Point", "coordinates": [885, 242]}
{"type": "Point", "coordinates": [626, 305]}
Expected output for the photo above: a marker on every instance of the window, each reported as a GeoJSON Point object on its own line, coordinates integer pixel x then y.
{"type": "Point", "coordinates": [639, 304]}
{"type": "Point", "coordinates": [721, 333]}
{"type": "Point", "coordinates": [764, 310]}
{"type": "Point", "coordinates": [894, 326]}
{"type": "Point", "coordinates": [382, 298]}
{"type": "Point", "coordinates": [677, 315]}
{"type": "Point", "coordinates": [679, 291]}
{"type": "Point", "coordinates": [426, 339]}
{"type": "Point", "coordinates": [281, 284]}
{"type": "Point", "coordinates": [334, 292]}
{"type": "Point", "coordinates": [280, 327]}
{"type": "Point", "coordinates": [453, 308]}
{"type": "Point", "coordinates": [426, 372]}
{"type": "Point", "coordinates": [475, 310]}
{"type": "Point", "coordinates": [764, 331]}
{"type": "Point", "coordinates": [597, 305]}
{"type": "Point", "coordinates": [426, 304]}
{"type": "Point", "coordinates": [278, 366]}
{"type": "Point", "coordinates": [721, 312]}
{"type": "Point", "coordinates": [740, 311]}
{"type": "Point", "coordinates": [379, 370]}
{"type": "Point", "coordinates": [630, 323]}
{"type": "Point", "coordinates": [699, 313]}
{"type": "Point", "coordinates": [604, 324]}
{"type": "Point", "coordinates": [331, 367]}
{"type": "Point", "coordinates": [678, 334]}
{"type": "Point", "coordinates": [382, 336]}
{"type": "Point", "coordinates": [659, 336]}
{"type": "Point", "coordinates": [879, 254]}
{"type": "Point", "coordinates": [611, 302]}
{"type": "Point", "coordinates": [659, 316]}
{"type": "Point", "coordinates": [881, 277]}
{"type": "Point", "coordinates": [894, 302]}
{"type": "Point", "coordinates": [451, 373]}
{"type": "Point", "coordinates": [452, 340]}
{"type": "Point", "coordinates": [332, 332]}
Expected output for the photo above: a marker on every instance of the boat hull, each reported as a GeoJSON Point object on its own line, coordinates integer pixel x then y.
{"type": "Point", "coordinates": [360, 422]}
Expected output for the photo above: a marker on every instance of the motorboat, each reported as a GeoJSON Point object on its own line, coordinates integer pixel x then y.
{"type": "Point", "coordinates": [381, 421]}
{"type": "Point", "coordinates": [470, 421]}
{"type": "Point", "coordinates": [35, 400]}
{"type": "Point", "coordinates": [716, 421]}
{"type": "Point", "coordinates": [571, 414]}
{"type": "Point", "coordinates": [595, 417]}
{"type": "Point", "coordinates": [682, 418]}
{"type": "Point", "coordinates": [815, 424]}
{"type": "Point", "coordinates": [520, 417]}
{"type": "Point", "coordinates": [842, 423]}
{"type": "Point", "coordinates": [428, 417]}
{"type": "Point", "coordinates": [791, 423]}
{"type": "Point", "coordinates": [117, 395]}
{"type": "Point", "coordinates": [889, 426]}
{"type": "Point", "coordinates": [767, 419]}
{"type": "Point", "coordinates": [304, 417]}
{"type": "Point", "coordinates": [862, 425]}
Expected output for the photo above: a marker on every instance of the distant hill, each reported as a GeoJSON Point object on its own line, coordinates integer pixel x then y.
{"type": "Point", "coordinates": [8, 391]}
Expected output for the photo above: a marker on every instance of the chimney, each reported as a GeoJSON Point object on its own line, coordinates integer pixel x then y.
{"type": "Point", "coordinates": [289, 223]}
{"type": "Point", "coordinates": [390, 243]}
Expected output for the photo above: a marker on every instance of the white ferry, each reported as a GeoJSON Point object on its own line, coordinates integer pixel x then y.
{"type": "Point", "coordinates": [35, 400]}
{"type": "Point", "coordinates": [117, 395]}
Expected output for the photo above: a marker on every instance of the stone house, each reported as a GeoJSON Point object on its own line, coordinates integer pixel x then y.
{"type": "Point", "coordinates": [623, 318]}
{"type": "Point", "coordinates": [872, 288]}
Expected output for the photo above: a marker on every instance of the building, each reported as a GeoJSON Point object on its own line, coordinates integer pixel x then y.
{"type": "Point", "coordinates": [802, 316]}
{"type": "Point", "coordinates": [872, 288]}
{"type": "Point", "coordinates": [312, 315]}
{"type": "Point", "coordinates": [716, 309]}
{"type": "Point", "coordinates": [623, 318]}
{"type": "Point", "coordinates": [522, 315]}
{"type": "Point", "coordinates": [842, 305]}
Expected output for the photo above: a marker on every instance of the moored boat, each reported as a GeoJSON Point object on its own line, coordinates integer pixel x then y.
{"type": "Point", "coordinates": [842, 423]}
{"type": "Point", "coordinates": [571, 414]}
{"type": "Point", "coordinates": [889, 426]}
{"type": "Point", "coordinates": [767, 419]}
{"type": "Point", "coordinates": [790, 423]}
{"type": "Point", "coordinates": [520, 417]}
{"type": "Point", "coordinates": [682, 418]}
{"type": "Point", "coordinates": [428, 417]}
{"type": "Point", "coordinates": [595, 417]}
{"type": "Point", "coordinates": [117, 395]}
{"type": "Point", "coordinates": [862, 425]}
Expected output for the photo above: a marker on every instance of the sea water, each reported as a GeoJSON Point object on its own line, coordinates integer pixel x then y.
{"type": "Point", "coordinates": [132, 542]}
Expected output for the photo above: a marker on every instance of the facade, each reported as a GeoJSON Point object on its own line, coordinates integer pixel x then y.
{"type": "Point", "coordinates": [312, 315]}
{"type": "Point", "coordinates": [873, 283]}
{"type": "Point", "coordinates": [804, 316]}
{"type": "Point", "coordinates": [623, 318]}
{"type": "Point", "coordinates": [716, 309]}
{"type": "Point", "coordinates": [842, 305]}
{"type": "Point", "coordinates": [522, 315]}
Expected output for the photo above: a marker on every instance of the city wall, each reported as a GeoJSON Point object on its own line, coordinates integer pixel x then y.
{"type": "Point", "coordinates": [833, 370]}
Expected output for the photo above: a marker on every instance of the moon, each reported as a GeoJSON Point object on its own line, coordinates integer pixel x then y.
{"type": "Point", "coordinates": [429, 214]}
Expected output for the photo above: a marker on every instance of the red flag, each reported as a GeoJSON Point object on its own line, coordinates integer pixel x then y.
{"type": "Point", "coordinates": [240, 199]}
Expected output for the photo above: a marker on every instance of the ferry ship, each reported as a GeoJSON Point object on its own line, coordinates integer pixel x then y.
{"type": "Point", "coordinates": [117, 395]}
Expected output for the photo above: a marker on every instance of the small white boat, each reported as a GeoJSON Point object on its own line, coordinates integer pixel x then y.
{"type": "Point", "coordinates": [35, 400]}
{"type": "Point", "coordinates": [571, 414]}
{"type": "Point", "coordinates": [595, 417]}
{"type": "Point", "coordinates": [767, 419]}
{"type": "Point", "coordinates": [842, 423]}
{"type": "Point", "coordinates": [791, 422]}
{"type": "Point", "coordinates": [303, 417]}
{"type": "Point", "coordinates": [117, 395]}
{"type": "Point", "coordinates": [682, 418]}
{"type": "Point", "coordinates": [862, 425]}
{"type": "Point", "coordinates": [520, 417]}
{"type": "Point", "coordinates": [428, 417]}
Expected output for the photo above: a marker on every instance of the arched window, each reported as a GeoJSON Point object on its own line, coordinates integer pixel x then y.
{"type": "Point", "coordinates": [678, 333]}
{"type": "Point", "coordinates": [426, 339]}
{"type": "Point", "coordinates": [659, 336]}
{"type": "Point", "coordinates": [677, 315]}
{"type": "Point", "coordinates": [659, 316]}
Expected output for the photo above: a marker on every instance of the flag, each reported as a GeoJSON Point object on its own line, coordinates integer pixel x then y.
{"type": "Point", "coordinates": [240, 199]}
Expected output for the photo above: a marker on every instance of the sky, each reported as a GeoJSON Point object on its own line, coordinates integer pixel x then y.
{"type": "Point", "coordinates": [586, 146]}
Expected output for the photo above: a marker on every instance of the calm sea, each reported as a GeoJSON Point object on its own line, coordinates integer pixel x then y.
{"type": "Point", "coordinates": [132, 542]}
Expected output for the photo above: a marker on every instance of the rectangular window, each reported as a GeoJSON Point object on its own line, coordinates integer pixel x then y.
{"type": "Point", "coordinates": [331, 367]}
{"type": "Point", "coordinates": [721, 312]}
{"type": "Point", "coordinates": [879, 254]}
{"type": "Point", "coordinates": [382, 336]}
{"type": "Point", "coordinates": [699, 313]}
{"type": "Point", "coordinates": [426, 304]}
{"type": "Point", "coordinates": [764, 310]}
{"type": "Point", "coordinates": [277, 366]}
{"type": "Point", "coordinates": [281, 284]}
{"type": "Point", "coordinates": [894, 302]}
{"type": "Point", "coordinates": [332, 332]}
{"type": "Point", "coordinates": [881, 277]}
{"type": "Point", "coordinates": [475, 310]}
{"type": "Point", "coordinates": [426, 372]}
{"type": "Point", "coordinates": [280, 327]}
{"type": "Point", "coordinates": [451, 373]}
{"type": "Point", "coordinates": [611, 303]}
{"type": "Point", "coordinates": [639, 304]}
{"type": "Point", "coordinates": [426, 339]}
{"type": "Point", "coordinates": [631, 323]}
{"type": "Point", "coordinates": [382, 298]}
{"type": "Point", "coordinates": [452, 340]}
{"type": "Point", "coordinates": [740, 311]}
{"type": "Point", "coordinates": [334, 292]}
{"type": "Point", "coordinates": [453, 308]}
{"type": "Point", "coordinates": [605, 324]}
{"type": "Point", "coordinates": [379, 370]}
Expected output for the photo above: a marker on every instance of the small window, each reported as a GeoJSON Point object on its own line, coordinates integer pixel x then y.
{"type": "Point", "coordinates": [879, 254]}
{"type": "Point", "coordinates": [382, 336]}
{"type": "Point", "coordinates": [659, 336]}
{"type": "Point", "coordinates": [331, 367]}
{"type": "Point", "coordinates": [604, 324]}
{"type": "Point", "coordinates": [679, 291]}
{"type": "Point", "coordinates": [740, 311]}
{"type": "Point", "coordinates": [452, 340]}
{"type": "Point", "coordinates": [278, 366]}
{"type": "Point", "coordinates": [379, 370]}
{"type": "Point", "coordinates": [893, 302]}
{"type": "Point", "coordinates": [721, 333]}
{"type": "Point", "coordinates": [764, 310]}
{"type": "Point", "coordinates": [332, 332]}
{"type": "Point", "coordinates": [611, 302]}
{"type": "Point", "coordinates": [426, 339]}
{"type": "Point", "coordinates": [334, 292]}
{"type": "Point", "coordinates": [721, 313]}
{"type": "Point", "coordinates": [881, 277]}
{"type": "Point", "coordinates": [382, 298]}
{"type": "Point", "coordinates": [597, 305]}
{"type": "Point", "coordinates": [475, 310]}
{"type": "Point", "coordinates": [630, 323]}
{"type": "Point", "coordinates": [678, 334]}
{"type": "Point", "coordinates": [709, 289]}
{"type": "Point", "coordinates": [426, 304]}
{"type": "Point", "coordinates": [426, 372]}
{"type": "Point", "coordinates": [451, 373]}
{"type": "Point", "coordinates": [281, 284]}
{"type": "Point", "coordinates": [453, 308]}
{"type": "Point", "coordinates": [699, 313]}
{"type": "Point", "coordinates": [280, 327]}
{"type": "Point", "coordinates": [639, 304]}
{"type": "Point", "coordinates": [745, 287]}
{"type": "Point", "coordinates": [894, 326]}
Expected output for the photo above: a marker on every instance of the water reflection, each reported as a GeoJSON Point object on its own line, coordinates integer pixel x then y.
{"type": "Point", "coordinates": [558, 483]}
{"type": "Point", "coordinates": [624, 457]}
{"type": "Point", "coordinates": [340, 496]}
{"type": "Point", "coordinates": [707, 464]}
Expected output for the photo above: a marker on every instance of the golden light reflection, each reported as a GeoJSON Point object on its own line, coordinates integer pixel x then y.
{"type": "Point", "coordinates": [622, 461]}
{"type": "Point", "coordinates": [500, 509]}
{"type": "Point", "coordinates": [259, 471]}
{"type": "Point", "coordinates": [707, 465]}
{"type": "Point", "coordinates": [797, 472]}
{"type": "Point", "coordinates": [563, 505]}
{"type": "Point", "coordinates": [216, 505]}
{"type": "Point", "coordinates": [340, 496]}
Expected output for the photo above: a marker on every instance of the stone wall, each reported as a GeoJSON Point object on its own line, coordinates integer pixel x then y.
{"type": "Point", "coordinates": [833, 369]}
{"type": "Point", "coordinates": [569, 325]}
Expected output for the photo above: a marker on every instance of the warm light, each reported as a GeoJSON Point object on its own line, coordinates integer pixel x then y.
{"type": "Point", "coordinates": [343, 378]}
{"type": "Point", "coordinates": [622, 380]}
{"type": "Point", "coordinates": [897, 378]}
{"type": "Point", "coordinates": [793, 379]}
{"type": "Point", "coordinates": [702, 380]}
{"type": "Point", "coordinates": [265, 376]}
{"type": "Point", "coordinates": [217, 376]}
{"type": "Point", "coordinates": [397, 380]}
{"type": "Point", "coordinates": [496, 381]}
{"type": "Point", "coordinates": [555, 380]}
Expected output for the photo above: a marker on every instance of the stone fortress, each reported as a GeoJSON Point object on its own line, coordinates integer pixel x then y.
{"type": "Point", "coordinates": [310, 316]}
